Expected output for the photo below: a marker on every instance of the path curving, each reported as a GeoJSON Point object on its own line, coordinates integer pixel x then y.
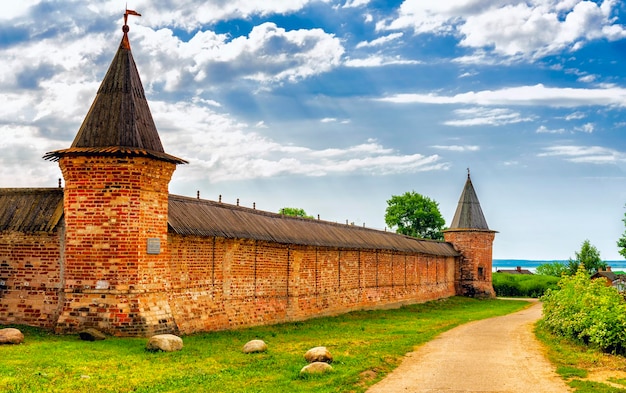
{"type": "Point", "coordinates": [498, 354]}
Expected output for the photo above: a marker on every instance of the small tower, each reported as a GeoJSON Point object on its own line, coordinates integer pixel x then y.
{"type": "Point", "coordinates": [116, 270]}
{"type": "Point", "coordinates": [471, 236]}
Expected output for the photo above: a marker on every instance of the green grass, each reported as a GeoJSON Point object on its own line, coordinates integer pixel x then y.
{"type": "Point", "coordinates": [523, 285]}
{"type": "Point", "coordinates": [366, 345]}
{"type": "Point", "coordinates": [576, 361]}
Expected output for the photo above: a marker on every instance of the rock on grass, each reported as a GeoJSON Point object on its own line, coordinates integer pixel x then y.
{"type": "Point", "coordinates": [11, 336]}
{"type": "Point", "coordinates": [165, 343]}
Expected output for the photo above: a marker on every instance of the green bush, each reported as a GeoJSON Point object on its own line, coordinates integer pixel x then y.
{"type": "Point", "coordinates": [522, 285]}
{"type": "Point", "coordinates": [587, 310]}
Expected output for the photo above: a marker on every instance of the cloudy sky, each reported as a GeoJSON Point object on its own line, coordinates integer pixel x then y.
{"type": "Point", "coordinates": [335, 105]}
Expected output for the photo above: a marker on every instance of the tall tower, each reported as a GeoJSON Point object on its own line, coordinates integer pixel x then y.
{"type": "Point", "coordinates": [471, 236]}
{"type": "Point", "coordinates": [116, 271]}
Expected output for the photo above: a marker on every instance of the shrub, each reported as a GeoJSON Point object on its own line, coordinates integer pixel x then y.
{"type": "Point", "coordinates": [587, 310]}
{"type": "Point", "coordinates": [522, 285]}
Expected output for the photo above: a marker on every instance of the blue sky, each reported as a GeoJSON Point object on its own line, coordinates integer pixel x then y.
{"type": "Point", "coordinates": [335, 105]}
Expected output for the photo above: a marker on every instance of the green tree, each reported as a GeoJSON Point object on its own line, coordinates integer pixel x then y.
{"type": "Point", "coordinates": [294, 211]}
{"type": "Point", "coordinates": [621, 243]}
{"type": "Point", "coordinates": [588, 258]}
{"type": "Point", "coordinates": [556, 269]}
{"type": "Point", "coordinates": [415, 215]}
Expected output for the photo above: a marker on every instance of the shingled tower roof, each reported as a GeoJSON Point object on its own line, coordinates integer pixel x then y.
{"type": "Point", "coordinates": [119, 121]}
{"type": "Point", "coordinates": [468, 214]}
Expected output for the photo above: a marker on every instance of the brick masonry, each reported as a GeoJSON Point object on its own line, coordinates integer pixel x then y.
{"type": "Point", "coordinates": [98, 271]}
{"type": "Point", "coordinates": [473, 277]}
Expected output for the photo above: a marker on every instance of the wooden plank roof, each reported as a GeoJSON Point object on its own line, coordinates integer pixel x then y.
{"type": "Point", "coordinates": [191, 216]}
{"type": "Point", "coordinates": [30, 210]}
{"type": "Point", "coordinates": [119, 121]}
{"type": "Point", "coordinates": [469, 214]}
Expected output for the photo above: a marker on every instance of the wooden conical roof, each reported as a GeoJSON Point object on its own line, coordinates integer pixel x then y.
{"type": "Point", "coordinates": [469, 214]}
{"type": "Point", "coordinates": [119, 121]}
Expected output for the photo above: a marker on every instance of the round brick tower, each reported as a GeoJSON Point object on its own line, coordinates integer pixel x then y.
{"type": "Point", "coordinates": [470, 235]}
{"type": "Point", "coordinates": [116, 172]}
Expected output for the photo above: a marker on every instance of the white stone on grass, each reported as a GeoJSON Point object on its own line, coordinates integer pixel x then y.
{"type": "Point", "coordinates": [254, 346]}
{"type": "Point", "coordinates": [318, 354]}
{"type": "Point", "coordinates": [165, 343]}
{"type": "Point", "coordinates": [316, 368]}
{"type": "Point", "coordinates": [11, 336]}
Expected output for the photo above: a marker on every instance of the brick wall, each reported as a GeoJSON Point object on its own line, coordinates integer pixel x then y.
{"type": "Point", "coordinates": [473, 276]}
{"type": "Point", "coordinates": [113, 206]}
{"type": "Point", "coordinates": [227, 283]}
{"type": "Point", "coordinates": [30, 278]}
{"type": "Point", "coordinates": [215, 284]}
{"type": "Point", "coordinates": [98, 271]}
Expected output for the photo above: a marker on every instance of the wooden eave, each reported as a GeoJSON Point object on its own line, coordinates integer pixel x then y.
{"type": "Point", "coordinates": [30, 210]}
{"type": "Point", "coordinates": [195, 217]}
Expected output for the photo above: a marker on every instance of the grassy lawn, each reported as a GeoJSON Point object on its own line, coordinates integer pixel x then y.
{"type": "Point", "coordinates": [366, 345]}
{"type": "Point", "coordinates": [579, 364]}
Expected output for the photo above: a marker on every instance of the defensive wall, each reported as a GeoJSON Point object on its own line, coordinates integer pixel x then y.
{"type": "Point", "coordinates": [215, 283]}
{"type": "Point", "coordinates": [115, 251]}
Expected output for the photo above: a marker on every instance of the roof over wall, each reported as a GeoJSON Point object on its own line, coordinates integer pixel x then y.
{"type": "Point", "coordinates": [469, 214]}
{"type": "Point", "coordinates": [30, 210]}
{"type": "Point", "coordinates": [191, 216]}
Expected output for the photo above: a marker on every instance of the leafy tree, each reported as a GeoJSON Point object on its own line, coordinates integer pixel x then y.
{"type": "Point", "coordinates": [621, 243]}
{"type": "Point", "coordinates": [294, 211]}
{"type": "Point", "coordinates": [556, 269]}
{"type": "Point", "coordinates": [588, 258]}
{"type": "Point", "coordinates": [415, 215]}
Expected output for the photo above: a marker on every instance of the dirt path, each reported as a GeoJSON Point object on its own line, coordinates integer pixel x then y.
{"type": "Point", "coordinates": [493, 355]}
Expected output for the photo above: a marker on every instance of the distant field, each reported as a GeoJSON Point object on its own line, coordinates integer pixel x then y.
{"type": "Point", "coordinates": [522, 285]}
{"type": "Point", "coordinates": [366, 345]}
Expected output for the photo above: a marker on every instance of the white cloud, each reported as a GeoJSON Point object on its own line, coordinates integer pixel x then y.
{"type": "Point", "coordinates": [379, 41]}
{"type": "Point", "coordinates": [585, 154]}
{"type": "Point", "coordinates": [457, 148]}
{"type": "Point", "coordinates": [486, 116]}
{"type": "Point", "coordinates": [191, 14]}
{"type": "Point", "coordinates": [378, 61]}
{"type": "Point", "coordinates": [575, 116]}
{"type": "Point", "coordinates": [545, 130]}
{"type": "Point", "coordinates": [587, 127]}
{"type": "Point", "coordinates": [269, 54]}
{"type": "Point", "coordinates": [587, 78]}
{"type": "Point", "coordinates": [467, 74]}
{"type": "Point", "coordinates": [21, 165]}
{"type": "Point", "coordinates": [222, 149]}
{"type": "Point", "coordinates": [355, 3]}
{"type": "Point", "coordinates": [512, 28]}
{"type": "Point", "coordinates": [14, 9]}
{"type": "Point", "coordinates": [523, 95]}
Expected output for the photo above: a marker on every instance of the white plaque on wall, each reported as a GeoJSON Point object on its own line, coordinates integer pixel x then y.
{"type": "Point", "coordinates": [154, 245]}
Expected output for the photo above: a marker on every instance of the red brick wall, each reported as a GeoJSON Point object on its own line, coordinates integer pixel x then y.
{"type": "Point", "coordinates": [112, 206]}
{"type": "Point", "coordinates": [30, 278]}
{"type": "Point", "coordinates": [228, 283]}
{"type": "Point", "coordinates": [215, 284]}
{"type": "Point", "coordinates": [473, 276]}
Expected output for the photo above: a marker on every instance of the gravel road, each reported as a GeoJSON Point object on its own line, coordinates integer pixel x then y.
{"type": "Point", "coordinates": [498, 354]}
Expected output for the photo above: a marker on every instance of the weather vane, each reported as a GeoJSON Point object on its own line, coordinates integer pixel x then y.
{"type": "Point", "coordinates": [129, 12]}
{"type": "Point", "coordinates": [125, 43]}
